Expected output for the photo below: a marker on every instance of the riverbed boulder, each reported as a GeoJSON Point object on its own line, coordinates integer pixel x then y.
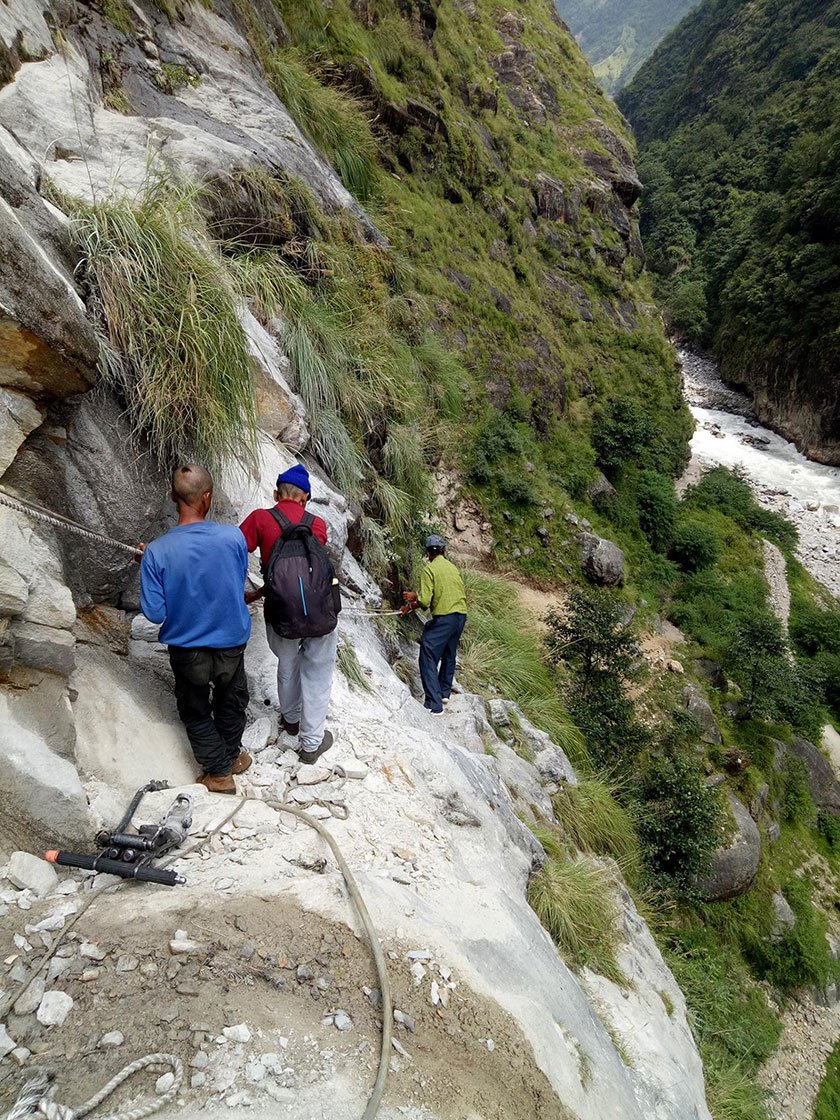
{"type": "Point", "coordinates": [822, 784]}
{"type": "Point", "coordinates": [601, 560]}
{"type": "Point", "coordinates": [700, 709]}
{"type": "Point", "coordinates": [735, 863]}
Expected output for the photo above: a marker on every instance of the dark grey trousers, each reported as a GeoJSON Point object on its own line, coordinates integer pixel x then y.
{"type": "Point", "coordinates": [212, 694]}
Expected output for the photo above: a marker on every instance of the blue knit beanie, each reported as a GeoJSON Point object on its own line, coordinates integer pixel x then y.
{"type": "Point", "coordinates": [296, 476]}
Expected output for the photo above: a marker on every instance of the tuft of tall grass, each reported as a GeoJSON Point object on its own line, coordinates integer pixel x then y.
{"type": "Point", "coordinates": [332, 119]}
{"type": "Point", "coordinates": [348, 662]}
{"type": "Point", "coordinates": [573, 896]}
{"type": "Point", "coordinates": [594, 821]}
{"type": "Point", "coordinates": [500, 649]}
{"type": "Point", "coordinates": [252, 208]}
{"type": "Point", "coordinates": [173, 343]}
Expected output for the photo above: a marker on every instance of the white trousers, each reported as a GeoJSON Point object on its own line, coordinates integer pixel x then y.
{"type": "Point", "coordinates": [305, 668]}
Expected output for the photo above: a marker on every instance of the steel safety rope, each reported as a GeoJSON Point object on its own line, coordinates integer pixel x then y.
{"type": "Point", "coordinates": [36, 1095]}
{"type": "Point", "coordinates": [59, 521]}
{"type": "Point", "coordinates": [50, 517]}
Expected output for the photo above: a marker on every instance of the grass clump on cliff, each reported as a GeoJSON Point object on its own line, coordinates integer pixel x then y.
{"type": "Point", "coordinates": [594, 821]}
{"type": "Point", "coordinates": [173, 342]}
{"type": "Point", "coordinates": [500, 650]}
{"type": "Point", "coordinates": [331, 119]}
{"type": "Point", "coordinates": [573, 896]}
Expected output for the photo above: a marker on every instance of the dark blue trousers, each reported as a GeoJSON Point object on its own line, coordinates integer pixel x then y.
{"type": "Point", "coordinates": [438, 647]}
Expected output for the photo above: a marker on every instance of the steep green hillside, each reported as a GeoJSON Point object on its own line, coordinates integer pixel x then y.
{"type": "Point", "coordinates": [617, 36]}
{"type": "Point", "coordinates": [737, 113]}
{"type": "Point", "coordinates": [503, 180]}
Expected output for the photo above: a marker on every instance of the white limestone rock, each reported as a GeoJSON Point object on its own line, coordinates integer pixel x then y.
{"type": "Point", "coordinates": [28, 872]}
{"type": "Point", "coordinates": [18, 417]}
{"type": "Point", "coordinates": [280, 412]}
{"type": "Point", "coordinates": [54, 1008]}
{"type": "Point", "coordinates": [43, 793]}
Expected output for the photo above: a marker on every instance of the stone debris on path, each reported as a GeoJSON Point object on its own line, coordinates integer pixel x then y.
{"type": "Point", "coordinates": [794, 1072]}
{"type": "Point", "coordinates": [434, 837]}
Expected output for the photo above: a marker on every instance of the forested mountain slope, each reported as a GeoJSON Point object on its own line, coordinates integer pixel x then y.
{"type": "Point", "coordinates": [617, 36]}
{"type": "Point", "coordinates": [737, 114]}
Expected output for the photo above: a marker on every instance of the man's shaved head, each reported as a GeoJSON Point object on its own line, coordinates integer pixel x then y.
{"type": "Point", "coordinates": [189, 483]}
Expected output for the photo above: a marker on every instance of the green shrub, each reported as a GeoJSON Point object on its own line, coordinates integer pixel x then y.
{"type": "Point", "coordinates": [797, 804]}
{"type": "Point", "coordinates": [694, 546]}
{"type": "Point", "coordinates": [591, 636]}
{"type": "Point", "coordinates": [828, 827]}
{"type": "Point", "coordinates": [657, 505]}
{"type": "Point", "coordinates": [678, 821]}
{"type": "Point", "coordinates": [708, 604]}
{"type": "Point", "coordinates": [621, 433]}
{"type": "Point", "coordinates": [755, 656]}
{"type": "Point", "coordinates": [800, 956]}
{"type": "Point", "coordinates": [607, 720]}
{"type": "Point", "coordinates": [814, 630]}
{"type": "Point", "coordinates": [497, 439]}
{"type": "Point", "coordinates": [574, 899]}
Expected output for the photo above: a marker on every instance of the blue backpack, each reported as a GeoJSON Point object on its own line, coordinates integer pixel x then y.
{"type": "Point", "coordinates": [302, 597]}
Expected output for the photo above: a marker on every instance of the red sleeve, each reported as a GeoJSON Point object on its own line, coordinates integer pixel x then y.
{"type": "Point", "coordinates": [319, 529]}
{"type": "Point", "coordinates": [249, 530]}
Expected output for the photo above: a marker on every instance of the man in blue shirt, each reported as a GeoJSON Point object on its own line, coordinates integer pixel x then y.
{"type": "Point", "coordinates": [192, 579]}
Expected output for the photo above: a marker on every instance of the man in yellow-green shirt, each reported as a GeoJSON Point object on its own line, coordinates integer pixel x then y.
{"type": "Point", "coordinates": [442, 590]}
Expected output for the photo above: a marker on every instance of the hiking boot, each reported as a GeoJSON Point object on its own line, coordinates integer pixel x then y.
{"type": "Point", "coordinates": [290, 728]}
{"type": "Point", "coordinates": [217, 783]}
{"type": "Point", "coordinates": [241, 763]}
{"type": "Point", "coordinates": [308, 757]}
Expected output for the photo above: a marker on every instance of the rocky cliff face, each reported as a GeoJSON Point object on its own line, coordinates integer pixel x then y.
{"type": "Point", "coordinates": [101, 102]}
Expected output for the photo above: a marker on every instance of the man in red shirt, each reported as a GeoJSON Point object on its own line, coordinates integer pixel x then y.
{"type": "Point", "coordinates": [305, 666]}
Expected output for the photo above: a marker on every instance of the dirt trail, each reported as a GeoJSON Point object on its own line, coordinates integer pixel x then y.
{"type": "Point", "coordinates": [775, 572]}
{"type": "Point", "coordinates": [264, 962]}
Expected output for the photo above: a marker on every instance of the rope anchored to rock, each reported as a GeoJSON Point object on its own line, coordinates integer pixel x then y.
{"type": "Point", "coordinates": [50, 517]}
{"type": "Point", "coordinates": [59, 521]}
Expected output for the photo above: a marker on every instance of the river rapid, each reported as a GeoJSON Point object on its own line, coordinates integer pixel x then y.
{"type": "Point", "coordinates": [728, 434]}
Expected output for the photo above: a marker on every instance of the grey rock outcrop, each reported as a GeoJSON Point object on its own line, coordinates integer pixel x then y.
{"type": "Point", "coordinates": [696, 704]}
{"type": "Point", "coordinates": [44, 803]}
{"type": "Point", "coordinates": [822, 784]}
{"type": "Point", "coordinates": [784, 918]}
{"type": "Point", "coordinates": [601, 560]}
{"type": "Point", "coordinates": [735, 864]}
{"type": "Point", "coordinates": [601, 491]}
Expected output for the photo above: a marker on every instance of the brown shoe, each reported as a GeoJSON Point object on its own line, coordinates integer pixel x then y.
{"type": "Point", "coordinates": [241, 763]}
{"type": "Point", "coordinates": [308, 757]}
{"type": "Point", "coordinates": [218, 783]}
{"type": "Point", "coordinates": [290, 728]}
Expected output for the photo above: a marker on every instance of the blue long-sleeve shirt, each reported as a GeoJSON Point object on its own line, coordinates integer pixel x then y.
{"type": "Point", "coordinates": [192, 579]}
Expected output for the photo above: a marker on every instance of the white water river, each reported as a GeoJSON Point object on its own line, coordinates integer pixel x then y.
{"type": "Point", "coordinates": [727, 434]}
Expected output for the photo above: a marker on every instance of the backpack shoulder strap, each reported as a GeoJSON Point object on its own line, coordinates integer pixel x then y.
{"type": "Point", "coordinates": [308, 519]}
{"type": "Point", "coordinates": [280, 517]}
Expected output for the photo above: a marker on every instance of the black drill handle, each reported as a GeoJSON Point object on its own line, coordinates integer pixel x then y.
{"type": "Point", "coordinates": [140, 871]}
